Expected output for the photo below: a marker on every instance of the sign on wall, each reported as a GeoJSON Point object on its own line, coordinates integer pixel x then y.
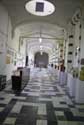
{"type": "Point", "coordinates": [8, 59]}
{"type": "Point", "coordinates": [10, 55]}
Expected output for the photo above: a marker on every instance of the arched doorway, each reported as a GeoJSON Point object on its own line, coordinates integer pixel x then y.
{"type": "Point", "coordinates": [41, 60]}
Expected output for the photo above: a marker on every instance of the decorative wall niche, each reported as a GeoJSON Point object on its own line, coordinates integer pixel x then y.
{"type": "Point", "coordinates": [82, 61]}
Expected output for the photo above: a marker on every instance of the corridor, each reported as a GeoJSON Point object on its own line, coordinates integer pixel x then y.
{"type": "Point", "coordinates": [41, 62]}
{"type": "Point", "coordinates": [42, 102]}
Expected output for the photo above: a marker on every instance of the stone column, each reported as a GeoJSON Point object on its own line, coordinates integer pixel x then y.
{"type": "Point", "coordinates": [79, 95]}
{"type": "Point", "coordinates": [70, 47]}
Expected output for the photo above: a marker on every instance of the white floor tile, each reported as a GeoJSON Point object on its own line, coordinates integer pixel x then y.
{"type": "Point", "coordinates": [10, 121]}
{"type": "Point", "coordinates": [59, 113]}
{"type": "Point", "coordinates": [41, 122]}
{"type": "Point", "coordinates": [42, 109]}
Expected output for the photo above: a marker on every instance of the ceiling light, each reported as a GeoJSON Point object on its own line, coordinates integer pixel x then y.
{"type": "Point", "coordinates": [40, 40]}
{"type": "Point", "coordinates": [40, 7]}
{"type": "Point", "coordinates": [41, 47]}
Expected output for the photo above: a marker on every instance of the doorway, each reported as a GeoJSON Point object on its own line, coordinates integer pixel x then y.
{"type": "Point", "coordinates": [41, 60]}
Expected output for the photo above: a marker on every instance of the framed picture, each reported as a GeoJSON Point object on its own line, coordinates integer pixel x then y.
{"type": "Point", "coordinates": [8, 59]}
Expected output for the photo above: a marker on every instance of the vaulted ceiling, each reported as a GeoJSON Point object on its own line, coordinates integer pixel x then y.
{"type": "Point", "coordinates": [50, 27]}
{"type": "Point", "coordinates": [51, 35]}
{"type": "Point", "coordinates": [64, 11]}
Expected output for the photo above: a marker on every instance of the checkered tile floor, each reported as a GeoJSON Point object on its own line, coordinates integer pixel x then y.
{"type": "Point", "coordinates": [42, 102]}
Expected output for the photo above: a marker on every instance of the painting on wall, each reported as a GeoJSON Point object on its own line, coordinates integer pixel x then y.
{"type": "Point", "coordinates": [8, 59]}
{"type": "Point", "coordinates": [10, 51]}
{"type": "Point", "coordinates": [10, 55]}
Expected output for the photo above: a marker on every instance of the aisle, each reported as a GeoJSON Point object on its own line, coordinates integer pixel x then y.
{"type": "Point", "coordinates": [42, 102]}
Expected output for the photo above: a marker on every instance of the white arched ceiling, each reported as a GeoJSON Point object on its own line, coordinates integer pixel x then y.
{"type": "Point", "coordinates": [50, 34]}
{"type": "Point", "coordinates": [64, 10]}
{"type": "Point", "coordinates": [34, 45]}
{"type": "Point", "coordinates": [35, 49]}
{"type": "Point", "coordinates": [44, 28]}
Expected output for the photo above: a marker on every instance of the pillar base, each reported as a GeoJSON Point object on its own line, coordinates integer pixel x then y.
{"type": "Point", "coordinates": [79, 98]}
{"type": "Point", "coordinates": [71, 84]}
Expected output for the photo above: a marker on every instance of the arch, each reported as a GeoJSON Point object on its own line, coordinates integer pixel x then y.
{"type": "Point", "coordinates": [41, 60]}
{"type": "Point", "coordinates": [27, 23]}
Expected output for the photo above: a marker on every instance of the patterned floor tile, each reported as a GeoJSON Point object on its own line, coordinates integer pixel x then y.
{"type": "Point", "coordinates": [42, 109]}
{"type": "Point", "coordinates": [42, 102]}
{"type": "Point", "coordinates": [59, 113]}
{"type": "Point", "coordinates": [10, 121]}
{"type": "Point", "coordinates": [44, 99]}
{"type": "Point", "coordinates": [17, 107]}
{"type": "Point", "coordinates": [41, 122]}
{"type": "Point", "coordinates": [1, 109]}
{"type": "Point", "coordinates": [70, 123]}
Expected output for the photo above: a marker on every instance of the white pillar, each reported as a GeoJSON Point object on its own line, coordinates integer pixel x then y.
{"type": "Point", "coordinates": [70, 48]}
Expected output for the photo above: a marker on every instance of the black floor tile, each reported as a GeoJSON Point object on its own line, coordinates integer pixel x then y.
{"type": "Point", "coordinates": [52, 123]}
{"type": "Point", "coordinates": [28, 114]}
{"type": "Point", "coordinates": [7, 110]}
{"type": "Point", "coordinates": [69, 115]}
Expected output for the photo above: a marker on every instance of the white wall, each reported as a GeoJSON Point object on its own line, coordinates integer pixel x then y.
{"type": "Point", "coordinates": [23, 48]}
{"type": "Point", "coordinates": [3, 20]}
{"type": "Point", "coordinates": [31, 59]}
{"type": "Point", "coordinates": [6, 40]}
{"type": "Point", "coordinates": [15, 40]}
{"type": "Point", "coordinates": [66, 55]}
{"type": "Point", "coordinates": [3, 38]}
{"type": "Point", "coordinates": [76, 44]}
